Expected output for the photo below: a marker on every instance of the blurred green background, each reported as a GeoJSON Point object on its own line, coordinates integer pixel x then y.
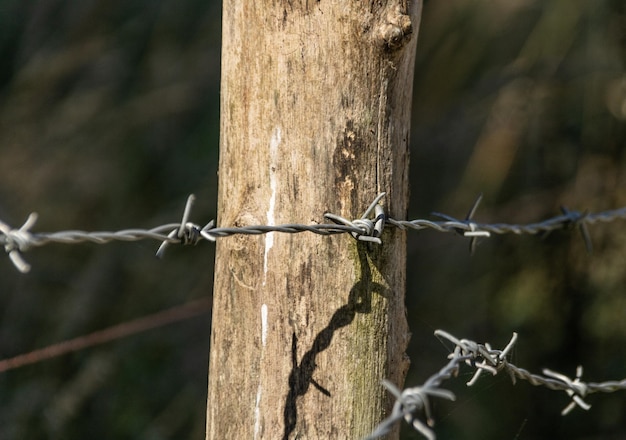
{"type": "Point", "coordinates": [109, 118]}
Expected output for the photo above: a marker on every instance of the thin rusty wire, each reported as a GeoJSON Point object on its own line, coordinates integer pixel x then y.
{"type": "Point", "coordinates": [17, 241]}
{"type": "Point", "coordinates": [125, 329]}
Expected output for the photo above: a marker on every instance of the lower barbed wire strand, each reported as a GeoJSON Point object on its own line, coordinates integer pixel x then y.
{"type": "Point", "coordinates": [478, 356]}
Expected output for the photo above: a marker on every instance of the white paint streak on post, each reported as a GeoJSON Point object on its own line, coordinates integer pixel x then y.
{"type": "Point", "coordinates": [269, 243]}
{"type": "Point", "coordinates": [259, 391]}
{"type": "Point", "coordinates": [257, 413]}
{"type": "Point", "coordinates": [269, 239]}
{"type": "Point", "coordinates": [263, 324]}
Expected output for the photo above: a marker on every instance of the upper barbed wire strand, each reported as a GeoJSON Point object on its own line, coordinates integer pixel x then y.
{"type": "Point", "coordinates": [20, 240]}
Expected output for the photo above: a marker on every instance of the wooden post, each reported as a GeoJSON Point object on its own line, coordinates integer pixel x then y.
{"type": "Point", "coordinates": [315, 103]}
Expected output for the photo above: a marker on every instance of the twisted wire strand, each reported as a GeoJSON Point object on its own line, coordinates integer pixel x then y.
{"type": "Point", "coordinates": [20, 240]}
{"type": "Point", "coordinates": [160, 233]}
{"type": "Point", "coordinates": [481, 357]}
{"type": "Point", "coordinates": [410, 401]}
{"type": "Point", "coordinates": [548, 225]}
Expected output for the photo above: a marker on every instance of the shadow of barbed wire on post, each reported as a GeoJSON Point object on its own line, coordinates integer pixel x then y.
{"type": "Point", "coordinates": [359, 301]}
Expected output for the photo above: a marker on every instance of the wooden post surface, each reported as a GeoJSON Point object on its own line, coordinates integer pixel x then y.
{"type": "Point", "coordinates": [315, 112]}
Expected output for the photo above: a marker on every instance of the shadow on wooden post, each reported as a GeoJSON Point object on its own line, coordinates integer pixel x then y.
{"type": "Point", "coordinates": [359, 301]}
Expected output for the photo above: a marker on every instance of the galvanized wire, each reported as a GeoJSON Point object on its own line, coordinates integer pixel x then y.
{"type": "Point", "coordinates": [16, 241]}
{"type": "Point", "coordinates": [412, 402]}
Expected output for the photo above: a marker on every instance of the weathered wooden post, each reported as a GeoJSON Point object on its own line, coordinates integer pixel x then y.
{"type": "Point", "coordinates": [315, 105]}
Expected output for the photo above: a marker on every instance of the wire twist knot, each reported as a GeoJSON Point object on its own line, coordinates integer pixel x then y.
{"type": "Point", "coordinates": [578, 219]}
{"type": "Point", "coordinates": [467, 227]}
{"type": "Point", "coordinates": [365, 229]}
{"type": "Point", "coordinates": [576, 389]}
{"type": "Point", "coordinates": [187, 233]}
{"type": "Point", "coordinates": [16, 240]}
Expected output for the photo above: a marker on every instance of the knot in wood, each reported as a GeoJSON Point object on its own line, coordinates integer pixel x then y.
{"type": "Point", "coordinates": [397, 29]}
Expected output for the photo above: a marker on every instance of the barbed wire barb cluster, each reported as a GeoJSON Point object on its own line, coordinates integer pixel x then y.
{"type": "Point", "coordinates": [413, 401]}
{"type": "Point", "coordinates": [17, 241]}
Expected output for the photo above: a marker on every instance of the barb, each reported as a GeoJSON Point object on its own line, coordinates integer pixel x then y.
{"type": "Point", "coordinates": [474, 232]}
{"type": "Point", "coordinates": [17, 241]}
{"type": "Point", "coordinates": [368, 230]}
{"type": "Point", "coordinates": [481, 357]}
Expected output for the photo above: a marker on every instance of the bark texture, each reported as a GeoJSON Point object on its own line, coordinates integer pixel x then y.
{"type": "Point", "coordinates": [315, 106]}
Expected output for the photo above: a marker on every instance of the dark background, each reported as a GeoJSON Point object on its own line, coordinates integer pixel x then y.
{"type": "Point", "coordinates": [109, 118]}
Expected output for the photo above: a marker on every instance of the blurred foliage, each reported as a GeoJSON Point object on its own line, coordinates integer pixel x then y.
{"type": "Point", "coordinates": [524, 101]}
{"type": "Point", "coordinates": [109, 118]}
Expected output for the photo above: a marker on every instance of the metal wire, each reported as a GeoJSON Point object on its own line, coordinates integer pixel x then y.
{"type": "Point", "coordinates": [16, 241]}
{"type": "Point", "coordinates": [481, 357]}
{"type": "Point", "coordinates": [411, 402]}
{"type": "Point", "coordinates": [123, 330]}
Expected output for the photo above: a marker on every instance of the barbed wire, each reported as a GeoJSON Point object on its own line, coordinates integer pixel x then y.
{"type": "Point", "coordinates": [411, 402]}
{"type": "Point", "coordinates": [17, 241]}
